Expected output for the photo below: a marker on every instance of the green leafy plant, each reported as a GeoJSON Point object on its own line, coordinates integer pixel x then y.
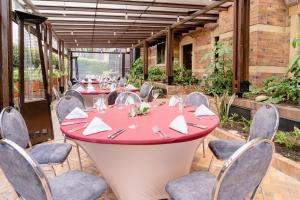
{"type": "Point", "coordinates": [156, 74]}
{"type": "Point", "coordinates": [142, 109]}
{"type": "Point", "coordinates": [246, 125]}
{"type": "Point", "coordinates": [136, 71]}
{"type": "Point", "coordinates": [223, 107]}
{"type": "Point", "coordinates": [183, 76]}
{"type": "Point", "coordinates": [288, 139]}
{"type": "Point", "coordinates": [219, 80]}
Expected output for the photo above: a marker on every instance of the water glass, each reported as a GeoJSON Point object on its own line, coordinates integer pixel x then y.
{"type": "Point", "coordinates": [180, 105]}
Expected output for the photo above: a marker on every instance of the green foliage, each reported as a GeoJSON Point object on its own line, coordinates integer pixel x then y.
{"type": "Point", "coordinates": [15, 56]}
{"type": "Point", "coordinates": [220, 68]}
{"type": "Point", "coordinates": [288, 139]}
{"type": "Point", "coordinates": [223, 107]}
{"type": "Point", "coordinates": [246, 125]}
{"type": "Point", "coordinates": [183, 76]}
{"type": "Point", "coordinates": [136, 71]}
{"type": "Point", "coordinates": [56, 73]}
{"type": "Point", "coordinates": [156, 74]}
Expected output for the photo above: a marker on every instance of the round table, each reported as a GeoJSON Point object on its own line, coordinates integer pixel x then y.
{"type": "Point", "coordinates": [138, 163]}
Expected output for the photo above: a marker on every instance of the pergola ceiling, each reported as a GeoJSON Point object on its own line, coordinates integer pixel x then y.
{"type": "Point", "coordinates": [121, 23]}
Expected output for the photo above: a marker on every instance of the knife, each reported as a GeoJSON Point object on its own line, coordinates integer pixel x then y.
{"type": "Point", "coordinates": [71, 123]}
{"type": "Point", "coordinates": [197, 125]}
{"type": "Point", "coordinates": [115, 134]}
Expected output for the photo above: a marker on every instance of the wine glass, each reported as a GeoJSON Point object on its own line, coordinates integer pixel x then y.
{"type": "Point", "coordinates": [155, 94]}
{"type": "Point", "coordinates": [180, 104]}
{"type": "Point", "coordinates": [132, 115]}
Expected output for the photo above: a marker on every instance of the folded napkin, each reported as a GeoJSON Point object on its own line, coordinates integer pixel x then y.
{"type": "Point", "coordinates": [101, 104]}
{"type": "Point", "coordinates": [129, 101]}
{"type": "Point", "coordinates": [96, 126]}
{"type": "Point", "coordinates": [173, 101]}
{"type": "Point", "coordinates": [203, 111]}
{"type": "Point", "coordinates": [89, 80]}
{"type": "Point", "coordinates": [77, 113]}
{"type": "Point", "coordinates": [130, 87]}
{"type": "Point", "coordinates": [179, 124]}
{"type": "Point", "coordinates": [80, 89]}
{"type": "Point", "coordinates": [90, 88]}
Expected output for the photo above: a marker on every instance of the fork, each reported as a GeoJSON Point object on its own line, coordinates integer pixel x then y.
{"type": "Point", "coordinates": [196, 125]}
{"type": "Point", "coordinates": [157, 131]}
{"type": "Point", "coordinates": [78, 128]}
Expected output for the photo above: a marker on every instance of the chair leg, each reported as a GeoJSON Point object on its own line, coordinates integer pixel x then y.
{"type": "Point", "coordinates": [79, 159]}
{"type": "Point", "coordinates": [210, 163]}
{"type": "Point", "coordinates": [68, 163]}
{"type": "Point", "coordinates": [262, 192]}
{"type": "Point", "coordinates": [203, 146]}
{"type": "Point", "coordinates": [53, 170]}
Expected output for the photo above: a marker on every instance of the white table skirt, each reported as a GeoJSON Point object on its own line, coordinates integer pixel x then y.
{"type": "Point", "coordinates": [141, 172]}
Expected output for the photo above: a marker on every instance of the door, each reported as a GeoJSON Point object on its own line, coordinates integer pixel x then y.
{"type": "Point", "coordinates": [187, 56]}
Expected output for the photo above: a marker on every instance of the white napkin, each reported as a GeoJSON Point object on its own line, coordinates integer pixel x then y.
{"type": "Point", "coordinates": [96, 126]}
{"type": "Point", "coordinates": [173, 101]}
{"type": "Point", "coordinates": [80, 89]}
{"type": "Point", "coordinates": [101, 104]}
{"type": "Point", "coordinates": [130, 87]}
{"type": "Point", "coordinates": [203, 111]}
{"type": "Point", "coordinates": [77, 113]}
{"type": "Point", "coordinates": [90, 89]}
{"type": "Point", "coordinates": [179, 124]}
{"type": "Point", "coordinates": [89, 80]}
{"type": "Point", "coordinates": [129, 101]}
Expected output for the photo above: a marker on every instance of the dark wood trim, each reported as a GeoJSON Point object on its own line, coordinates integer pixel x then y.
{"type": "Point", "coordinates": [21, 67]}
{"type": "Point", "coordinates": [146, 46]}
{"type": "Point", "coordinates": [71, 66]}
{"type": "Point", "coordinates": [123, 64]}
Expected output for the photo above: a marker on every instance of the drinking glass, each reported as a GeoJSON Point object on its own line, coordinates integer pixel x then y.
{"type": "Point", "coordinates": [132, 115]}
{"type": "Point", "coordinates": [155, 94]}
{"type": "Point", "coordinates": [180, 104]}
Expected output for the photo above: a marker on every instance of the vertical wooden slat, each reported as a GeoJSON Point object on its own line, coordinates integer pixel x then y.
{"type": "Point", "coordinates": [21, 67]}
{"type": "Point", "coordinates": [123, 64]}
{"type": "Point", "coordinates": [146, 45]}
{"type": "Point", "coordinates": [71, 66]}
{"type": "Point", "coordinates": [63, 63]}
{"type": "Point", "coordinates": [169, 55]}
{"type": "Point", "coordinates": [131, 58]}
{"type": "Point", "coordinates": [50, 57]}
{"type": "Point", "coordinates": [6, 73]}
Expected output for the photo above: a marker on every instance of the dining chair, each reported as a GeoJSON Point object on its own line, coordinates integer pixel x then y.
{"type": "Point", "coordinates": [13, 127]}
{"type": "Point", "coordinates": [146, 91]}
{"type": "Point", "coordinates": [122, 82]}
{"type": "Point", "coordinates": [30, 182]}
{"type": "Point", "coordinates": [122, 98]}
{"type": "Point", "coordinates": [239, 178]}
{"type": "Point", "coordinates": [70, 84]}
{"type": "Point", "coordinates": [111, 98]}
{"type": "Point", "coordinates": [65, 106]}
{"type": "Point", "coordinates": [197, 99]}
{"type": "Point", "coordinates": [74, 93]}
{"type": "Point", "coordinates": [76, 85]}
{"type": "Point", "coordinates": [264, 124]}
{"type": "Point", "coordinates": [55, 93]}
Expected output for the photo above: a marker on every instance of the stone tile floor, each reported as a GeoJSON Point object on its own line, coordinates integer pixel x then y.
{"type": "Point", "coordinates": [276, 185]}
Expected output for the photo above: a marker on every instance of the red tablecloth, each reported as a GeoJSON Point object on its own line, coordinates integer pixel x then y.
{"type": "Point", "coordinates": [159, 116]}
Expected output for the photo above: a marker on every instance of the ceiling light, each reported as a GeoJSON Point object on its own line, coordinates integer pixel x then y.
{"type": "Point", "coordinates": [115, 33]}
{"type": "Point", "coordinates": [72, 33]}
{"type": "Point", "coordinates": [75, 41]}
{"type": "Point", "coordinates": [77, 45]}
{"type": "Point", "coordinates": [108, 41]}
{"type": "Point", "coordinates": [178, 18]}
{"type": "Point", "coordinates": [126, 16]}
{"type": "Point", "coordinates": [152, 33]}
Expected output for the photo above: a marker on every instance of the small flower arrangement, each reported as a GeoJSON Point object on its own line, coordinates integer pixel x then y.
{"type": "Point", "coordinates": [142, 109]}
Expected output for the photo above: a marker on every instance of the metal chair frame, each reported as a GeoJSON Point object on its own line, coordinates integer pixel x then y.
{"type": "Point", "coordinates": [128, 94]}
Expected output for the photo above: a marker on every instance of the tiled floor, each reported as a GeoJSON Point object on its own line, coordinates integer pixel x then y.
{"type": "Point", "coordinates": [277, 186]}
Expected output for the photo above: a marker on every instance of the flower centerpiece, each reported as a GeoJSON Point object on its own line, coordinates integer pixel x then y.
{"type": "Point", "coordinates": [141, 109]}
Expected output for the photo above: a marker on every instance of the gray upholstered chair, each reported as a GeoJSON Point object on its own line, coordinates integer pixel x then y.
{"type": "Point", "coordinates": [122, 98]}
{"type": "Point", "coordinates": [13, 127]}
{"type": "Point", "coordinates": [111, 98]}
{"type": "Point", "coordinates": [265, 124]}
{"type": "Point", "coordinates": [146, 91]}
{"type": "Point", "coordinates": [239, 178]}
{"type": "Point", "coordinates": [76, 94]}
{"type": "Point", "coordinates": [122, 82]}
{"type": "Point", "coordinates": [77, 85]}
{"type": "Point", "coordinates": [70, 84]}
{"type": "Point", "coordinates": [197, 99]}
{"type": "Point", "coordinates": [30, 182]}
{"type": "Point", "coordinates": [66, 105]}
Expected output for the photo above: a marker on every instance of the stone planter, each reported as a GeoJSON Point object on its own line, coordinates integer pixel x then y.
{"type": "Point", "coordinates": [285, 165]}
{"type": "Point", "coordinates": [176, 89]}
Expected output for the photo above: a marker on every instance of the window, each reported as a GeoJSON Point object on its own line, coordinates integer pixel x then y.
{"type": "Point", "coordinates": [161, 53]}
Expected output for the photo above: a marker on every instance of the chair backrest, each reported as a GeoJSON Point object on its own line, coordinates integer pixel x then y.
{"type": "Point", "coordinates": [111, 99]}
{"type": "Point", "coordinates": [122, 82]}
{"type": "Point", "coordinates": [196, 99]}
{"type": "Point", "coordinates": [150, 95]}
{"type": "Point", "coordinates": [265, 122]}
{"type": "Point", "coordinates": [23, 172]}
{"type": "Point", "coordinates": [70, 84]}
{"type": "Point", "coordinates": [13, 127]}
{"type": "Point", "coordinates": [243, 172]}
{"type": "Point", "coordinates": [76, 94]}
{"type": "Point", "coordinates": [145, 90]}
{"type": "Point", "coordinates": [77, 85]}
{"type": "Point", "coordinates": [122, 98]}
{"type": "Point", "coordinates": [66, 105]}
{"type": "Point", "coordinates": [55, 93]}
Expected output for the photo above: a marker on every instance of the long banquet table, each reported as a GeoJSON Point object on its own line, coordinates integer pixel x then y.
{"type": "Point", "coordinates": [138, 163]}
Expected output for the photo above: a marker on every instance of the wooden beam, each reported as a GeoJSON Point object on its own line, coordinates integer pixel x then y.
{"type": "Point", "coordinates": [6, 71]}
{"type": "Point", "coordinates": [122, 23]}
{"type": "Point", "coordinates": [146, 60]}
{"type": "Point", "coordinates": [50, 47]}
{"type": "Point", "coordinates": [151, 4]}
{"type": "Point", "coordinates": [21, 66]}
{"type": "Point", "coordinates": [241, 46]}
{"type": "Point", "coordinates": [169, 56]}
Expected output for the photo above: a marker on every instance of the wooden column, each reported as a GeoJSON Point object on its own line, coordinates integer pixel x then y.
{"type": "Point", "coordinates": [123, 64]}
{"type": "Point", "coordinates": [241, 46]}
{"type": "Point", "coordinates": [21, 66]}
{"type": "Point", "coordinates": [63, 64]}
{"type": "Point", "coordinates": [169, 55]}
{"type": "Point", "coordinates": [50, 57]}
{"type": "Point", "coordinates": [6, 68]}
{"type": "Point", "coordinates": [71, 66]}
{"type": "Point", "coordinates": [146, 45]}
{"type": "Point", "coordinates": [131, 58]}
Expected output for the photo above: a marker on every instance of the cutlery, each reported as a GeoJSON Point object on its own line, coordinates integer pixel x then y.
{"type": "Point", "coordinates": [78, 128]}
{"type": "Point", "coordinates": [156, 130]}
{"type": "Point", "coordinates": [196, 125]}
{"type": "Point", "coordinates": [71, 123]}
{"type": "Point", "coordinates": [115, 134]}
{"type": "Point", "coordinates": [162, 103]}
